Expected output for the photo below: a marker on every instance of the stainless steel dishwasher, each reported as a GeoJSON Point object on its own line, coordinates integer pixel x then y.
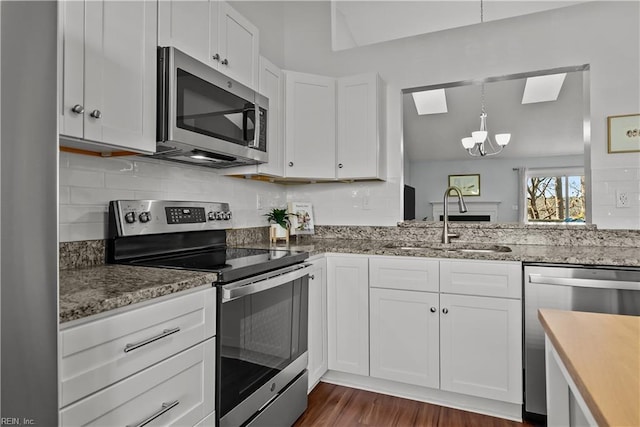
{"type": "Point", "coordinates": [614, 290]}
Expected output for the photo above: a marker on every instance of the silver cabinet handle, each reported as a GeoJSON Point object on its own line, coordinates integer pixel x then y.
{"type": "Point", "coordinates": [165, 333]}
{"type": "Point", "coordinates": [225, 62]}
{"type": "Point", "coordinates": [290, 164]}
{"type": "Point", "coordinates": [96, 114]}
{"type": "Point", "coordinates": [166, 407]}
{"type": "Point", "coordinates": [433, 309]}
{"type": "Point", "coordinates": [445, 310]}
{"type": "Point", "coordinates": [216, 57]}
{"type": "Point", "coordinates": [312, 277]}
{"type": "Point", "coordinates": [340, 165]}
{"type": "Point", "coordinates": [78, 109]}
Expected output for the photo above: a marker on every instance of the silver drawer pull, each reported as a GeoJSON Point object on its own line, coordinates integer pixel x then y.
{"type": "Point", "coordinates": [166, 407]}
{"type": "Point", "coordinates": [165, 333]}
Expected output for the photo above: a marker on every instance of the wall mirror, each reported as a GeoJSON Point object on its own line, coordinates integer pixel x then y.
{"type": "Point", "coordinates": [548, 123]}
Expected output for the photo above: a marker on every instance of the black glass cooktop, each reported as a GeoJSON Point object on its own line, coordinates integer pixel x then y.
{"type": "Point", "coordinates": [230, 263]}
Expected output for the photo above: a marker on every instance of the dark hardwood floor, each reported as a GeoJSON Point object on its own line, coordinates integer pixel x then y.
{"type": "Point", "coordinates": [332, 405]}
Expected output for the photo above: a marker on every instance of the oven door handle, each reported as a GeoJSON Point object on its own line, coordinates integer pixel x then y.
{"type": "Point", "coordinates": [263, 282]}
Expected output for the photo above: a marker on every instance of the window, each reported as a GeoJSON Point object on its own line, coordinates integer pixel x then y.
{"type": "Point", "coordinates": [555, 195]}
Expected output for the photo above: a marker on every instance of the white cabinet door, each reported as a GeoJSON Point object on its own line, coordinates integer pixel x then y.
{"type": "Point", "coordinates": [310, 126]}
{"type": "Point", "coordinates": [272, 86]}
{"type": "Point", "coordinates": [185, 24]}
{"type": "Point", "coordinates": [480, 347]}
{"type": "Point", "coordinates": [360, 152]}
{"type": "Point", "coordinates": [109, 73]}
{"type": "Point", "coordinates": [238, 44]}
{"type": "Point", "coordinates": [120, 73]}
{"type": "Point", "coordinates": [317, 338]}
{"type": "Point", "coordinates": [485, 278]}
{"type": "Point", "coordinates": [405, 336]}
{"type": "Point", "coordinates": [348, 314]}
{"type": "Point", "coordinates": [72, 79]}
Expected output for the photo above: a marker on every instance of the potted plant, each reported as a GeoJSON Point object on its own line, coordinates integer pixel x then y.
{"type": "Point", "coordinates": [279, 220]}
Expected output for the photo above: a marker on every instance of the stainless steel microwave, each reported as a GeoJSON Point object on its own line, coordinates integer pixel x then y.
{"type": "Point", "coordinates": [205, 117]}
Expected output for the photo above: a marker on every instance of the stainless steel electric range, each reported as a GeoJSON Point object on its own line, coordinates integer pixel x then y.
{"type": "Point", "coordinates": [261, 376]}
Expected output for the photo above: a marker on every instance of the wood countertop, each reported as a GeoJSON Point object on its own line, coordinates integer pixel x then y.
{"type": "Point", "coordinates": [601, 353]}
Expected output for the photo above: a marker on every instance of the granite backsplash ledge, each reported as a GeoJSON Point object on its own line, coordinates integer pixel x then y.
{"type": "Point", "coordinates": [507, 234]}
{"type": "Point", "coordinates": [91, 253]}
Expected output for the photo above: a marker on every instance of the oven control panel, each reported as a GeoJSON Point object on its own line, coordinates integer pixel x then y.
{"type": "Point", "coordinates": [136, 217]}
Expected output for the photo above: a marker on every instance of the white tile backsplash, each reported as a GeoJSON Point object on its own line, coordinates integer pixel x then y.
{"type": "Point", "coordinates": [605, 183]}
{"type": "Point", "coordinates": [88, 183]}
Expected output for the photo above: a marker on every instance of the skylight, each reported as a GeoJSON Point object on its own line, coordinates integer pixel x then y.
{"type": "Point", "coordinates": [543, 88]}
{"type": "Point", "coordinates": [430, 101]}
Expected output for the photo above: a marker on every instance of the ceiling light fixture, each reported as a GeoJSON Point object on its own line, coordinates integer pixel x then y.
{"type": "Point", "coordinates": [480, 143]}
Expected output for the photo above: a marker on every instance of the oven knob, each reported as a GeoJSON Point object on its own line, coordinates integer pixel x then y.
{"type": "Point", "coordinates": [130, 217]}
{"type": "Point", "coordinates": [145, 217]}
{"type": "Point", "coordinates": [211, 216]}
{"type": "Point", "coordinates": [226, 215]}
{"type": "Point", "coordinates": [219, 215]}
{"type": "Point", "coordinates": [229, 215]}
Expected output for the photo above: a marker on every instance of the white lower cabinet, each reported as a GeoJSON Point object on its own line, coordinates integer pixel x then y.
{"type": "Point", "coordinates": [317, 338]}
{"type": "Point", "coordinates": [481, 346]}
{"type": "Point", "coordinates": [348, 313]}
{"type": "Point", "coordinates": [154, 361]}
{"type": "Point", "coordinates": [176, 391]}
{"type": "Point", "coordinates": [423, 330]}
{"type": "Point", "coordinates": [404, 336]}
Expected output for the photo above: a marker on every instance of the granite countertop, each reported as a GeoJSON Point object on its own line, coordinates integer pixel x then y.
{"type": "Point", "coordinates": [93, 290]}
{"type": "Point", "coordinates": [583, 255]}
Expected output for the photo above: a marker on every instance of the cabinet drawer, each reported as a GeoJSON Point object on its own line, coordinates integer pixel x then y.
{"type": "Point", "coordinates": [483, 278]}
{"type": "Point", "coordinates": [187, 378]}
{"type": "Point", "coordinates": [410, 274]}
{"type": "Point", "coordinates": [99, 353]}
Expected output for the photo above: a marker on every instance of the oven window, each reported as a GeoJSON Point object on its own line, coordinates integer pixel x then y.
{"type": "Point", "coordinates": [209, 110]}
{"type": "Point", "coordinates": [260, 335]}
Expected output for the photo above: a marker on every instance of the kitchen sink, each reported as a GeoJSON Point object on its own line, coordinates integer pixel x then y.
{"type": "Point", "coordinates": [461, 247]}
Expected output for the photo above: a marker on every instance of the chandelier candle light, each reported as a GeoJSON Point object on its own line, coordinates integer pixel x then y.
{"type": "Point", "coordinates": [475, 144]}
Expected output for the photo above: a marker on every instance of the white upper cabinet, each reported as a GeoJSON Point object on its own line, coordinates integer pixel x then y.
{"type": "Point", "coordinates": [310, 126]}
{"type": "Point", "coordinates": [238, 44]}
{"type": "Point", "coordinates": [361, 152]}
{"type": "Point", "coordinates": [272, 86]}
{"type": "Point", "coordinates": [108, 82]}
{"type": "Point", "coordinates": [213, 32]}
{"type": "Point", "coordinates": [333, 127]}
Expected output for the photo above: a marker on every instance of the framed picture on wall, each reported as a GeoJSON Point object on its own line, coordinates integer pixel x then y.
{"type": "Point", "coordinates": [469, 184]}
{"type": "Point", "coordinates": [623, 133]}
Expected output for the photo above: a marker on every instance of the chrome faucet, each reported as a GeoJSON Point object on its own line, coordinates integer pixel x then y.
{"type": "Point", "coordinates": [461, 207]}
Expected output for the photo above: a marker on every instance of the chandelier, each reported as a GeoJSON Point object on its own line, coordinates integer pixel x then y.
{"type": "Point", "coordinates": [480, 143]}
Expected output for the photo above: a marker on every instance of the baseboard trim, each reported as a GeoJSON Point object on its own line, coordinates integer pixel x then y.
{"type": "Point", "coordinates": [494, 408]}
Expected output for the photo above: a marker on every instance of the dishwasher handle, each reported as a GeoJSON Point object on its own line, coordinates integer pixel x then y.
{"type": "Point", "coordinates": [584, 283]}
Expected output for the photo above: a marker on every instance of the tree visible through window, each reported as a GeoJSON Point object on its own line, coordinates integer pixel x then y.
{"type": "Point", "coordinates": [558, 198]}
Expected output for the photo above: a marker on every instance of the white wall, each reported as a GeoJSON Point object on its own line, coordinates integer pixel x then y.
{"type": "Point", "coordinates": [297, 36]}
{"type": "Point", "coordinates": [498, 180]}
{"type": "Point", "coordinates": [605, 35]}
{"type": "Point", "coordinates": [87, 184]}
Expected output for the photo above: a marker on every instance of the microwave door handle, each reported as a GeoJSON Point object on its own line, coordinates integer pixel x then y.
{"type": "Point", "coordinates": [255, 143]}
